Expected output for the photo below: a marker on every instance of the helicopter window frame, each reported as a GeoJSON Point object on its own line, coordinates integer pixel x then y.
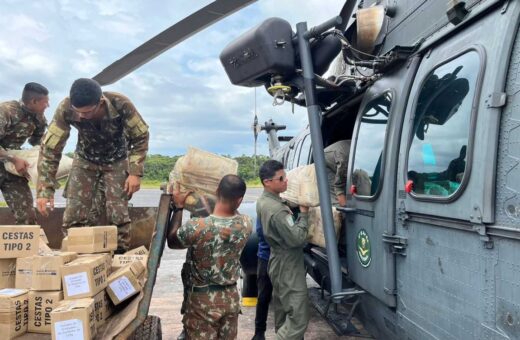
{"type": "Point", "coordinates": [357, 128]}
{"type": "Point", "coordinates": [481, 54]}
{"type": "Point", "coordinates": [305, 139]}
{"type": "Point", "coordinates": [290, 156]}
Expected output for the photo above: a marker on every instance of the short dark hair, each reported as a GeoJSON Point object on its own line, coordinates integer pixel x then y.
{"type": "Point", "coordinates": [85, 92]}
{"type": "Point", "coordinates": [33, 91]}
{"type": "Point", "coordinates": [269, 169]}
{"type": "Point", "coordinates": [231, 188]}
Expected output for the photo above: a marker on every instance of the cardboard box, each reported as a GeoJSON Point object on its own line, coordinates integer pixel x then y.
{"type": "Point", "coordinates": [14, 310]}
{"type": "Point", "coordinates": [19, 241]}
{"type": "Point", "coordinates": [7, 273]}
{"type": "Point", "coordinates": [43, 248]}
{"type": "Point", "coordinates": [73, 319]}
{"type": "Point", "coordinates": [41, 304]}
{"type": "Point", "coordinates": [85, 276]}
{"type": "Point", "coordinates": [137, 251]}
{"type": "Point", "coordinates": [23, 272]}
{"type": "Point", "coordinates": [107, 257]}
{"type": "Point", "coordinates": [103, 308]}
{"type": "Point", "coordinates": [43, 236]}
{"type": "Point", "coordinates": [120, 261]}
{"type": "Point", "coordinates": [46, 270]}
{"type": "Point", "coordinates": [126, 282]}
{"type": "Point", "coordinates": [64, 244]}
{"type": "Point", "coordinates": [92, 240]}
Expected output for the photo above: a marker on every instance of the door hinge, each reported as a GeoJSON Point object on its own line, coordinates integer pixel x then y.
{"type": "Point", "coordinates": [402, 216]}
{"type": "Point", "coordinates": [496, 99]}
{"type": "Point", "coordinates": [397, 243]}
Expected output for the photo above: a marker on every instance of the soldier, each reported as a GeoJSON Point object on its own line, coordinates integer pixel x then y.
{"type": "Point", "coordinates": [287, 239]}
{"type": "Point", "coordinates": [336, 159]}
{"type": "Point", "coordinates": [112, 146]}
{"type": "Point", "coordinates": [21, 121]}
{"type": "Point", "coordinates": [216, 243]}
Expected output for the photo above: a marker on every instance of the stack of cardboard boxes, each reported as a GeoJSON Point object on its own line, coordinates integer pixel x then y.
{"type": "Point", "coordinates": [68, 293]}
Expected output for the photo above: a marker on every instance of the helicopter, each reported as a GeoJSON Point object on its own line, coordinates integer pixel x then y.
{"type": "Point", "coordinates": [426, 91]}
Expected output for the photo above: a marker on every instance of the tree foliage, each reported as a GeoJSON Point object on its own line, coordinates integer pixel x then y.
{"type": "Point", "coordinates": [158, 167]}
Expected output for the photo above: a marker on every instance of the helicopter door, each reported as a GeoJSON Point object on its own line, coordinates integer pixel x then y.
{"type": "Point", "coordinates": [371, 261]}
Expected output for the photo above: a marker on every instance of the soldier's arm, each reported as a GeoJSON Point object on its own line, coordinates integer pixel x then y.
{"type": "Point", "coordinates": [184, 236]}
{"type": "Point", "coordinates": [293, 233]}
{"type": "Point", "coordinates": [173, 228]}
{"type": "Point", "coordinates": [340, 179]}
{"type": "Point", "coordinates": [138, 136]}
{"type": "Point", "coordinates": [4, 123]}
{"type": "Point", "coordinates": [38, 133]}
{"type": "Point", "coordinates": [50, 153]}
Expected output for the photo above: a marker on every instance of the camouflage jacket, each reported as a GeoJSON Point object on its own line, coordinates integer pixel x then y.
{"type": "Point", "coordinates": [336, 159]}
{"type": "Point", "coordinates": [121, 133]}
{"type": "Point", "coordinates": [17, 125]}
{"type": "Point", "coordinates": [216, 244]}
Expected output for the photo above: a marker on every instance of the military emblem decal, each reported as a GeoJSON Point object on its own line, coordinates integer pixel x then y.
{"type": "Point", "coordinates": [363, 248]}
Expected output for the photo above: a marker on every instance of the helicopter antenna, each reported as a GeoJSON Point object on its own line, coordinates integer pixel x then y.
{"type": "Point", "coordinates": [256, 130]}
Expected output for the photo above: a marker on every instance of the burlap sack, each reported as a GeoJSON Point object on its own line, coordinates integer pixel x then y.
{"type": "Point", "coordinates": [31, 156]}
{"type": "Point", "coordinates": [302, 188]}
{"type": "Point", "coordinates": [316, 235]}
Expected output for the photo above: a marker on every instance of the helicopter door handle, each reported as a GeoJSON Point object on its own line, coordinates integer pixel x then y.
{"type": "Point", "coordinates": [346, 210]}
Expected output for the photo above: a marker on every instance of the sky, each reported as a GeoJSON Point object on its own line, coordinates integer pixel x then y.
{"type": "Point", "coordinates": [184, 94]}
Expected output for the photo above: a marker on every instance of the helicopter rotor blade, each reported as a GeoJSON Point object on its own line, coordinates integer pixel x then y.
{"type": "Point", "coordinates": [170, 37]}
{"type": "Point", "coordinates": [346, 13]}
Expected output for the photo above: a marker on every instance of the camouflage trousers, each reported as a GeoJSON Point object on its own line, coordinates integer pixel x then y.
{"type": "Point", "coordinates": [85, 179]}
{"type": "Point", "coordinates": [18, 196]}
{"type": "Point", "coordinates": [212, 315]}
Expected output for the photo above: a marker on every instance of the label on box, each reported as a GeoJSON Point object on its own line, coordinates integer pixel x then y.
{"type": "Point", "coordinates": [11, 291]}
{"type": "Point", "coordinates": [68, 329]}
{"type": "Point", "coordinates": [122, 288]}
{"type": "Point", "coordinates": [77, 284]}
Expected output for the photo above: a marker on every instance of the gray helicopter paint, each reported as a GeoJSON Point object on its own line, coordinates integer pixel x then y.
{"type": "Point", "coordinates": [374, 214]}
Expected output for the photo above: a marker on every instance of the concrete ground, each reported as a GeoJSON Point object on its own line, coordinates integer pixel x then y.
{"type": "Point", "coordinates": [167, 300]}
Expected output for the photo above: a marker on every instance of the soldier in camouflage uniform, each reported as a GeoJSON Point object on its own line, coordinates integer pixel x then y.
{"type": "Point", "coordinates": [216, 243]}
{"type": "Point", "coordinates": [286, 265]}
{"type": "Point", "coordinates": [336, 160]}
{"type": "Point", "coordinates": [21, 121]}
{"type": "Point", "coordinates": [112, 146]}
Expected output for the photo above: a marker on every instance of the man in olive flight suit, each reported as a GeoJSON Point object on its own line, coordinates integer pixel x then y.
{"type": "Point", "coordinates": [21, 121]}
{"type": "Point", "coordinates": [336, 160]}
{"type": "Point", "coordinates": [112, 146]}
{"type": "Point", "coordinates": [286, 267]}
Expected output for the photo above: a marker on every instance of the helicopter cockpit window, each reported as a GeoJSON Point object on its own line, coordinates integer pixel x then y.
{"type": "Point", "coordinates": [366, 172]}
{"type": "Point", "coordinates": [441, 130]}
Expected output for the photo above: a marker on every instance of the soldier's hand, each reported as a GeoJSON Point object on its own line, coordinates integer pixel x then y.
{"type": "Point", "coordinates": [304, 209]}
{"type": "Point", "coordinates": [21, 165]}
{"type": "Point", "coordinates": [179, 198]}
{"type": "Point", "coordinates": [342, 200]}
{"type": "Point", "coordinates": [132, 184]}
{"type": "Point", "coordinates": [42, 203]}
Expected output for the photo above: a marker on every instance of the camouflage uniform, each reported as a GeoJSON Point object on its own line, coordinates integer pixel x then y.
{"type": "Point", "coordinates": [18, 125]}
{"type": "Point", "coordinates": [336, 159]}
{"type": "Point", "coordinates": [286, 268]}
{"type": "Point", "coordinates": [107, 151]}
{"type": "Point", "coordinates": [213, 301]}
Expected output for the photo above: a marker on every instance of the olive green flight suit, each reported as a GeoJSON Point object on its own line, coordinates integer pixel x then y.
{"type": "Point", "coordinates": [286, 266]}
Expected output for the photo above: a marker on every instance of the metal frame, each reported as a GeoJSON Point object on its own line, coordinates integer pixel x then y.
{"type": "Point", "coordinates": [154, 259]}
